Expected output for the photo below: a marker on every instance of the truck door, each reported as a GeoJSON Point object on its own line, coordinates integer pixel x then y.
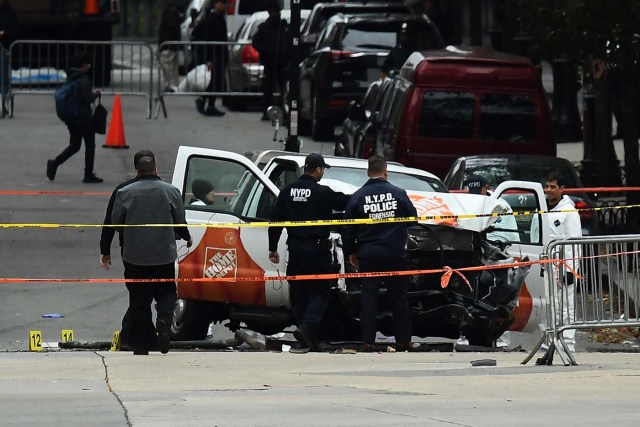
{"type": "Point", "coordinates": [516, 233]}
{"type": "Point", "coordinates": [241, 193]}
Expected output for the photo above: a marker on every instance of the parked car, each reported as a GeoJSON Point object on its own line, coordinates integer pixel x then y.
{"type": "Point", "coordinates": [497, 168]}
{"type": "Point", "coordinates": [321, 13]}
{"type": "Point", "coordinates": [360, 127]}
{"type": "Point", "coordinates": [482, 310]}
{"type": "Point", "coordinates": [461, 101]}
{"type": "Point", "coordinates": [245, 71]}
{"type": "Point", "coordinates": [348, 57]}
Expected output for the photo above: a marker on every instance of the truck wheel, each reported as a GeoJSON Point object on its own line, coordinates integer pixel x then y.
{"type": "Point", "coordinates": [191, 320]}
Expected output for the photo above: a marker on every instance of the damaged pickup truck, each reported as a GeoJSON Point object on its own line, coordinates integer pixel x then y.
{"type": "Point", "coordinates": [479, 304]}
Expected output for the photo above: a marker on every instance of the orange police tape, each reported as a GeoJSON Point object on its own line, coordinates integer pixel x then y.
{"type": "Point", "coordinates": [447, 273]}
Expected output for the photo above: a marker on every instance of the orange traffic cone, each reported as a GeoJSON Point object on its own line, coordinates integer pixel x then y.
{"type": "Point", "coordinates": [91, 7]}
{"type": "Point", "coordinates": [115, 135]}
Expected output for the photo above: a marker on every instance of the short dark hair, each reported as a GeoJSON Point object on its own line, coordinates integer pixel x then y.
{"type": "Point", "coordinates": [146, 165]}
{"type": "Point", "coordinates": [377, 165]}
{"type": "Point", "coordinates": [140, 154]}
{"type": "Point", "coordinates": [558, 177]}
{"type": "Point", "coordinates": [79, 59]}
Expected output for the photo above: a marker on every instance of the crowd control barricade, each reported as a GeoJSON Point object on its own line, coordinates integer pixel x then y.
{"type": "Point", "coordinates": [237, 77]}
{"type": "Point", "coordinates": [605, 293]}
{"type": "Point", "coordinates": [117, 67]}
{"type": "Point", "coordinates": [5, 76]}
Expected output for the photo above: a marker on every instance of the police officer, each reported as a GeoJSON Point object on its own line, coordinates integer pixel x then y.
{"type": "Point", "coordinates": [309, 247]}
{"type": "Point", "coordinates": [380, 247]}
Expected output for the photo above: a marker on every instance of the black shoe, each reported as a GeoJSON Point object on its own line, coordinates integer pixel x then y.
{"type": "Point", "coordinates": [163, 342]}
{"type": "Point", "coordinates": [408, 346]}
{"type": "Point", "coordinates": [214, 112]}
{"type": "Point", "coordinates": [52, 168]}
{"type": "Point", "coordinates": [200, 105]}
{"type": "Point", "coordinates": [305, 335]}
{"type": "Point", "coordinates": [92, 179]}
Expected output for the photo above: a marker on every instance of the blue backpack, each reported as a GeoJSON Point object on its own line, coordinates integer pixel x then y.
{"type": "Point", "coordinates": [67, 101]}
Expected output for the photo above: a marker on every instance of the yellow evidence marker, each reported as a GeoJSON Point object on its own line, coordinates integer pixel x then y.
{"type": "Point", "coordinates": [35, 341]}
{"type": "Point", "coordinates": [115, 342]}
{"type": "Point", "coordinates": [66, 335]}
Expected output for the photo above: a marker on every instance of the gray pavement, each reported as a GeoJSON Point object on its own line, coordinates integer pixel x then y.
{"type": "Point", "coordinates": [280, 389]}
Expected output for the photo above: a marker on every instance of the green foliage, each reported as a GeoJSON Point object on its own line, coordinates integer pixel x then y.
{"type": "Point", "coordinates": [583, 29]}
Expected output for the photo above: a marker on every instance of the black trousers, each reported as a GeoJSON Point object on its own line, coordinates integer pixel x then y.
{"type": "Point", "coordinates": [141, 296]}
{"type": "Point", "coordinates": [396, 296]}
{"type": "Point", "coordinates": [76, 134]}
{"type": "Point", "coordinates": [216, 84]}
{"type": "Point", "coordinates": [310, 297]}
{"type": "Point", "coordinates": [273, 73]}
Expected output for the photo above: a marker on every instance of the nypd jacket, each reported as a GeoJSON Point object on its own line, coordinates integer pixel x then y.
{"type": "Point", "coordinates": [378, 199]}
{"type": "Point", "coordinates": [149, 201]}
{"type": "Point", "coordinates": [305, 200]}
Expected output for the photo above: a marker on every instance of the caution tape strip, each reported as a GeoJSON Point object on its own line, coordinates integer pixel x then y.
{"type": "Point", "coordinates": [316, 222]}
{"type": "Point", "coordinates": [447, 271]}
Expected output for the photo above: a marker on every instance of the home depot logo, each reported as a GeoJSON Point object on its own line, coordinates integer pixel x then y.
{"type": "Point", "coordinates": [432, 206]}
{"type": "Point", "coordinates": [220, 263]}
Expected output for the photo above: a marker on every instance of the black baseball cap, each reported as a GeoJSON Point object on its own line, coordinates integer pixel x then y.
{"type": "Point", "coordinates": [315, 160]}
{"type": "Point", "coordinates": [475, 183]}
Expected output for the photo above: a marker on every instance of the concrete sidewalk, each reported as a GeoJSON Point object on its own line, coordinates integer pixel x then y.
{"type": "Point", "coordinates": [264, 389]}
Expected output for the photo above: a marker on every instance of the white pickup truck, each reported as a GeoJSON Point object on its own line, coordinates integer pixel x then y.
{"type": "Point", "coordinates": [493, 301]}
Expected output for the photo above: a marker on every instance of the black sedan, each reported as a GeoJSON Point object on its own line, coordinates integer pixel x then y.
{"type": "Point", "coordinates": [496, 168]}
{"type": "Point", "coordinates": [348, 57]}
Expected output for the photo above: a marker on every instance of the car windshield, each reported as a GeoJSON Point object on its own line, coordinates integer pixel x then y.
{"type": "Point", "coordinates": [357, 177]}
{"type": "Point", "coordinates": [384, 40]}
{"type": "Point", "coordinates": [496, 171]}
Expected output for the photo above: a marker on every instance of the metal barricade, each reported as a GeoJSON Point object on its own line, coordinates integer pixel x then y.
{"type": "Point", "coordinates": [5, 78]}
{"type": "Point", "coordinates": [117, 67]}
{"type": "Point", "coordinates": [238, 77]}
{"type": "Point", "coordinates": [606, 295]}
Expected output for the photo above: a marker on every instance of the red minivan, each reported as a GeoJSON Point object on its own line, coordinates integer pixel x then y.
{"type": "Point", "coordinates": [460, 101]}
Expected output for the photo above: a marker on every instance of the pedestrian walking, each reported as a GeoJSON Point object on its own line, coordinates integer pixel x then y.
{"type": "Point", "coordinates": [562, 225]}
{"type": "Point", "coordinates": [149, 253]}
{"type": "Point", "coordinates": [81, 126]}
{"type": "Point", "coordinates": [217, 57]}
{"type": "Point", "coordinates": [168, 56]}
{"type": "Point", "coordinates": [309, 247]}
{"type": "Point", "coordinates": [272, 41]}
{"type": "Point", "coordinates": [8, 34]}
{"type": "Point", "coordinates": [380, 248]}
{"type": "Point", "coordinates": [106, 238]}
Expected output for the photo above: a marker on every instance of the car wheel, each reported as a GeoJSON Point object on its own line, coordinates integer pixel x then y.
{"type": "Point", "coordinates": [321, 130]}
{"type": "Point", "coordinates": [191, 320]}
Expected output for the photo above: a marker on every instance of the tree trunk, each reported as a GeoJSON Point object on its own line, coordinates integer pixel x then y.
{"type": "Point", "coordinates": [607, 165]}
{"type": "Point", "coordinates": [629, 130]}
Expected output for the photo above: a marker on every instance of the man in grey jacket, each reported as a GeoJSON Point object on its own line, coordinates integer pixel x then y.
{"type": "Point", "coordinates": [150, 252]}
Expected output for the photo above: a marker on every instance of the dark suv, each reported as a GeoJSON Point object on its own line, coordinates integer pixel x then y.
{"type": "Point", "coordinates": [348, 57]}
{"type": "Point", "coordinates": [321, 13]}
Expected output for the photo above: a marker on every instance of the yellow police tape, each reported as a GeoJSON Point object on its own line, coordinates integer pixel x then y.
{"type": "Point", "coordinates": [316, 222]}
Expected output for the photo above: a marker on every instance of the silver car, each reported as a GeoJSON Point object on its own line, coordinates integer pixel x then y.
{"type": "Point", "coordinates": [245, 70]}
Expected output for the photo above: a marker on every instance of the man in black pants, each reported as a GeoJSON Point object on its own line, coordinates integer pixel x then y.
{"type": "Point", "coordinates": [106, 237]}
{"type": "Point", "coordinates": [272, 42]}
{"type": "Point", "coordinates": [309, 247]}
{"type": "Point", "coordinates": [82, 126]}
{"type": "Point", "coordinates": [217, 57]}
{"type": "Point", "coordinates": [150, 252]}
{"type": "Point", "coordinates": [380, 247]}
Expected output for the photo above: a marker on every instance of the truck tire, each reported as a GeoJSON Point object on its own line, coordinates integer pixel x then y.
{"type": "Point", "coordinates": [191, 320]}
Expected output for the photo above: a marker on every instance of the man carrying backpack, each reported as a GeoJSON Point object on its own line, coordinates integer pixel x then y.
{"type": "Point", "coordinates": [73, 106]}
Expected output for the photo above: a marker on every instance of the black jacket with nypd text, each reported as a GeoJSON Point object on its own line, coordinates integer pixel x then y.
{"type": "Point", "coordinates": [305, 200]}
{"type": "Point", "coordinates": [378, 199]}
